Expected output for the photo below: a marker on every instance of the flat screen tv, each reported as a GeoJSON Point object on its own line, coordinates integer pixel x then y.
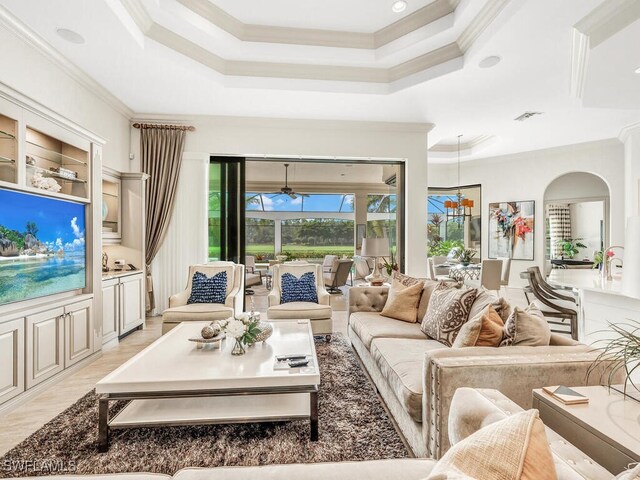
{"type": "Point", "coordinates": [42, 246]}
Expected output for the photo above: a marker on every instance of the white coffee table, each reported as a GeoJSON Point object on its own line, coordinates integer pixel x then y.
{"type": "Point", "coordinates": [171, 382]}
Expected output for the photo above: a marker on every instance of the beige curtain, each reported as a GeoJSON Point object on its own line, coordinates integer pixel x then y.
{"type": "Point", "coordinates": [161, 149]}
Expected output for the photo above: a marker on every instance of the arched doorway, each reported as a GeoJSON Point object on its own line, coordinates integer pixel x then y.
{"type": "Point", "coordinates": [577, 225]}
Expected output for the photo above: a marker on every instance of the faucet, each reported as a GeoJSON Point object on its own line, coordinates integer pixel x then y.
{"type": "Point", "coordinates": [606, 262]}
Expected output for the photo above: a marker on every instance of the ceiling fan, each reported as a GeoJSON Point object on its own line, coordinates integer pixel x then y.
{"type": "Point", "coordinates": [287, 190]}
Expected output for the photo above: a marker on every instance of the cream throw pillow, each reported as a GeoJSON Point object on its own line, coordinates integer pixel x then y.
{"type": "Point", "coordinates": [402, 303]}
{"type": "Point", "coordinates": [483, 330]}
{"type": "Point", "coordinates": [485, 298]}
{"type": "Point", "coordinates": [429, 287]}
{"type": "Point", "coordinates": [526, 327]}
{"type": "Point", "coordinates": [515, 448]}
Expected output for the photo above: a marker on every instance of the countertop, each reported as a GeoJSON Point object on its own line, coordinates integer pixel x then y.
{"type": "Point", "coordinates": [590, 280]}
{"type": "Point", "coordinates": [118, 273]}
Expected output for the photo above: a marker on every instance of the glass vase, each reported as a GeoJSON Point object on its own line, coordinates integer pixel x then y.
{"type": "Point", "coordinates": [238, 348]}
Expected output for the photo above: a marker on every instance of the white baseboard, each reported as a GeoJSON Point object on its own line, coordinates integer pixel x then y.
{"type": "Point", "coordinates": [24, 397]}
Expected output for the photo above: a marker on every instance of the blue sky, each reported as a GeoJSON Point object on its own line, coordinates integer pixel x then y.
{"type": "Point", "coordinates": [60, 223]}
{"type": "Point", "coordinates": [312, 203]}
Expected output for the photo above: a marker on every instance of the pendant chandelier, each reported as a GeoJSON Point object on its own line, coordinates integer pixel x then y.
{"type": "Point", "coordinates": [459, 210]}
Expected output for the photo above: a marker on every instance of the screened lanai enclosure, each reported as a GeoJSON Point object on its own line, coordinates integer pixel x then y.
{"type": "Point", "coordinates": [308, 210]}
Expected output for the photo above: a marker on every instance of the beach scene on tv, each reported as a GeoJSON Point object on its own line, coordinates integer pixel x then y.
{"type": "Point", "coordinates": [42, 246]}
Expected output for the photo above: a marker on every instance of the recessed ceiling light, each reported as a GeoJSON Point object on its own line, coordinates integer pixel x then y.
{"type": "Point", "coordinates": [638, 70]}
{"type": "Point", "coordinates": [490, 61]}
{"type": "Point", "coordinates": [399, 6]}
{"type": "Point", "coordinates": [70, 35]}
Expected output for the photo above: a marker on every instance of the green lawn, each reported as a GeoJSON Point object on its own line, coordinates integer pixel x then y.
{"type": "Point", "coordinates": [298, 251]}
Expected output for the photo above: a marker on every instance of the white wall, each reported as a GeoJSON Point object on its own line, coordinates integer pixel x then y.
{"type": "Point", "coordinates": [525, 176]}
{"type": "Point", "coordinates": [631, 138]}
{"type": "Point", "coordinates": [29, 72]}
{"type": "Point", "coordinates": [318, 139]}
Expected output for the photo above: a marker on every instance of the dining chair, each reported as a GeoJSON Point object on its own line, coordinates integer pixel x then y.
{"type": "Point", "coordinates": [434, 276]}
{"type": "Point", "coordinates": [491, 275]}
{"type": "Point", "coordinates": [558, 306]}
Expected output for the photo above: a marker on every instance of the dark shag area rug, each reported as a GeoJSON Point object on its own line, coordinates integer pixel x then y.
{"type": "Point", "coordinates": [353, 426]}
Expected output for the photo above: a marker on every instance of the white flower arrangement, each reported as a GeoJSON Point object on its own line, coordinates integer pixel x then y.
{"type": "Point", "coordinates": [236, 328]}
{"type": "Point", "coordinates": [44, 183]}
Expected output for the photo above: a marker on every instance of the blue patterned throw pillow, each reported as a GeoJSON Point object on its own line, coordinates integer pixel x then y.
{"type": "Point", "coordinates": [301, 289]}
{"type": "Point", "coordinates": [208, 289]}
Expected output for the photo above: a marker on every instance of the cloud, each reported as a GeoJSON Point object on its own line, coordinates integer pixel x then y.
{"type": "Point", "coordinates": [296, 201]}
{"type": "Point", "coordinates": [58, 242]}
{"type": "Point", "coordinates": [267, 202]}
{"type": "Point", "coordinates": [75, 228]}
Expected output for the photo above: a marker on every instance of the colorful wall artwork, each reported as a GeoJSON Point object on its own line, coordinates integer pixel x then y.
{"type": "Point", "coordinates": [512, 230]}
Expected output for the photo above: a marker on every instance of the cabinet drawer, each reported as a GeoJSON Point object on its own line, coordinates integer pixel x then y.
{"type": "Point", "coordinates": [11, 359]}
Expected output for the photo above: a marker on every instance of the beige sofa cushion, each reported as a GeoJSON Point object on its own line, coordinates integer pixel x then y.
{"type": "Point", "coordinates": [400, 361]}
{"type": "Point", "coordinates": [483, 330]}
{"type": "Point", "coordinates": [371, 325]}
{"type": "Point", "coordinates": [404, 468]}
{"type": "Point", "coordinates": [526, 327]}
{"type": "Point", "coordinates": [515, 448]}
{"type": "Point", "coordinates": [428, 287]}
{"type": "Point", "coordinates": [402, 303]}
{"type": "Point", "coordinates": [293, 310]}
{"type": "Point", "coordinates": [197, 312]}
{"type": "Point", "coordinates": [448, 310]}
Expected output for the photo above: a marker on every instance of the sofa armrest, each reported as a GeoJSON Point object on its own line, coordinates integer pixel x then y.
{"type": "Point", "coordinates": [473, 409]}
{"type": "Point", "coordinates": [367, 299]}
{"type": "Point", "coordinates": [179, 299]}
{"type": "Point", "coordinates": [514, 371]}
{"type": "Point", "coordinates": [234, 300]}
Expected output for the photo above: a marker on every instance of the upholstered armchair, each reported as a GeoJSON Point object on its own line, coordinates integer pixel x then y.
{"type": "Point", "coordinates": [181, 311]}
{"type": "Point", "coordinates": [319, 314]}
{"type": "Point", "coordinates": [337, 275]}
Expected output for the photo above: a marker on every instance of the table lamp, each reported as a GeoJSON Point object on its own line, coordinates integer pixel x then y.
{"type": "Point", "coordinates": [375, 247]}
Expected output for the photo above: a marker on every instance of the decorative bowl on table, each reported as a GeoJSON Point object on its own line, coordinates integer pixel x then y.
{"type": "Point", "coordinates": [211, 335]}
{"type": "Point", "coordinates": [266, 330]}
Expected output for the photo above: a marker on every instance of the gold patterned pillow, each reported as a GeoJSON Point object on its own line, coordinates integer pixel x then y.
{"type": "Point", "coordinates": [447, 312]}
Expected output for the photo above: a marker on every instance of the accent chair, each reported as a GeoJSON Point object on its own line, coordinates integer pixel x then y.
{"type": "Point", "coordinates": [320, 314]}
{"type": "Point", "coordinates": [338, 275]}
{"type": "Point", "coordinates": [180, 310]}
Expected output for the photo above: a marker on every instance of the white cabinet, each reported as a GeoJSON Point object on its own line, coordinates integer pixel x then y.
{"type": "Point", "coordinates": [131, 302]}
{"type": "Point", "coordinates": [78, 332]}
{"type": "Point", "coordinates": [45, 345]}
{"type": "Point", "coordinates": [11, 359]}
{"type": "Point", "coordinates": [110, 309]}
{"type": "Point", "coordinates": [122, 305]}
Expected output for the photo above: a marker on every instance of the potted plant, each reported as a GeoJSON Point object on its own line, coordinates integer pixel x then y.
{"type": "Point", "coordinates": [390, 266]}
{"type": "Point", "coordinates": [570, 246]}
{"type": "Point", "coordinates": [620, 354]}
{"type": "Point", "coordinates": [465, 255]}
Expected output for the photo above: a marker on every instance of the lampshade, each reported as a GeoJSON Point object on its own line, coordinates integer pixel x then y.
{"type": "Point", "coordinates": [375, 247]}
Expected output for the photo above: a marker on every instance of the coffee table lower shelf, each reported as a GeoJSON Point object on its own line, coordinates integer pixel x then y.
{"type": "Point", "coordinates": [168, 409]}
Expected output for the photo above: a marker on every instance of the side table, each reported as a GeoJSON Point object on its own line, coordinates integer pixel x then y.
{"type": "Point", "coordinates": [607, 428]}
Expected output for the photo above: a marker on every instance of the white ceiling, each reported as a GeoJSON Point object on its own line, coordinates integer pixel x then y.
{"type": "Point", "coordinates": [352, 15]}
{"type": "Point", "coordinates": [533, 38]}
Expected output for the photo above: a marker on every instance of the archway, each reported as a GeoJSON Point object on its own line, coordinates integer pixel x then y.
{"type": "Point", "coordinates": [577, 220]}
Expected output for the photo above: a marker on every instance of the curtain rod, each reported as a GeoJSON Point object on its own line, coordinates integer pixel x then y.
{"type": "Point", "coordinates": [189, 128]}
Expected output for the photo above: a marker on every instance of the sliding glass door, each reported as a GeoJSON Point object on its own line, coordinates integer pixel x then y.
{"type": "Point", "coordinates": [227, 209]}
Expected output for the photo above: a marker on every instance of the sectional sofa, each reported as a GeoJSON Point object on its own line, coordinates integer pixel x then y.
{"type": "Point", "coordinates": [417, 376]}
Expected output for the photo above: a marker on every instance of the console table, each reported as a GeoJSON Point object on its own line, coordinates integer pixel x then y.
{"type": "Point", "coordinates": [607, 429]}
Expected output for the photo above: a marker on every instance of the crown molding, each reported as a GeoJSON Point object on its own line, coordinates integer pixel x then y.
{"type": "Point", "coordinates": [479, 24]}
{"type": "Point", "coordinates": [592, 30]}
{"type": "Point", "coordinates": [318, 37]}
{"type": "Point", "coordinates": [339, 73]}
{"type": "Point", "coordinates": [24, 33]}
{"type": "Point", "coordinates": [446, 151]}
{"type": "Point", "coordinates": [628, 130]}
{"type": "Point", "coordinates": [31, 105]}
